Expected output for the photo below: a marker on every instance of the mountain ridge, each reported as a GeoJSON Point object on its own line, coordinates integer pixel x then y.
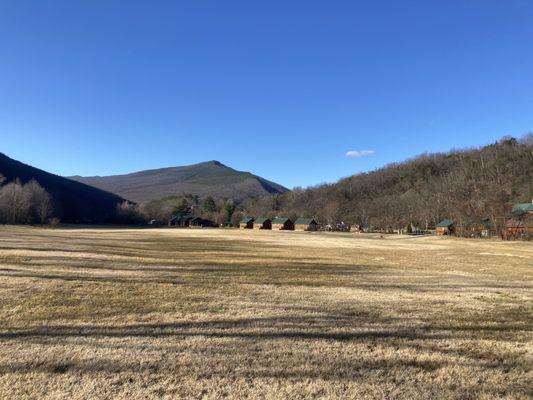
{"type": "Point", "coordinates": [74, 201]}
{"type": "Point", "coordinates": [208, 178]}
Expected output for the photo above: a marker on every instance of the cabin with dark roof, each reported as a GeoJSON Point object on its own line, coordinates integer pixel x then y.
{"type": "Point", "coordinates": [445, 227]}
{"type": "Point", "coordinates": [198, 222]}
{"type": "Point", "coordinates": [247, 223]}
{"type": "Point", "coordinates": [305, 224]}
{"type": "Point", "coordinates": [180, 221]}
{"type": "Point", "coordinates": [189, 221]}
{"type": "Point", "coordinates": [282, 224]}
{"type": "Point", "coordinates": [262, 223]}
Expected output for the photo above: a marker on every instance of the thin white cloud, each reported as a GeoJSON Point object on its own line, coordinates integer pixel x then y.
{"type": "Point", "coordinates": [359, 153]}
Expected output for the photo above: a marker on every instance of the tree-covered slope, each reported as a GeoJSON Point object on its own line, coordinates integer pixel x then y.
{"type": "Point", "coordinates": [73, 201]}
{"type": "Point", "coordinates": [465, 185]}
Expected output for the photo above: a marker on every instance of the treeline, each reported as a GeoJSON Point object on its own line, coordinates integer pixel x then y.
{"type": "Point", "coordinates": [220, 211]}
{"type": "Point", "coordinates": [25, 203]}
{"type": "Point", "coordinates": [467, 186]}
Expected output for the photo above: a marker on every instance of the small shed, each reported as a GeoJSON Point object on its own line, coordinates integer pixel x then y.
{"type": "Point", "coordinates": [282, 224]}
{"type": "Point", "coordinates": [247, 223]}
{"type": "Point", "coordinates": [445, 227]}
{"type": "Point", "coordinates": [305, 224]}
{"type": "Point", "coordinates": [262, 223]}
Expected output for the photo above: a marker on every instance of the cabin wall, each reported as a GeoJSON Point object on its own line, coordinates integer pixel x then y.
{"type": "Point", "coordinates": [305, 227]}
{"type": "Point", "coordinates": [288, 226]}
{"type": "Point", "coordinates": [442, 230]}
{"type": "Point", "coordinates": [266, 226]}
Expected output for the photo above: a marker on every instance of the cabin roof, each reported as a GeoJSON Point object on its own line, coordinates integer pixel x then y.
{"type": "Point", "coordinates": [523, 208]}
{"type": "Point", "coordinates": [445, 223]}
{"type": "Point", "coordinates": [246, 220]}
{"type": "Point", "coordinates": [304, 221]}
{"type": "Point", "coordinates": [178, 218]}
{"type": "Point", "coordinates": [261, 220]}
{"type": "Point", "coordinates": [280, 220]}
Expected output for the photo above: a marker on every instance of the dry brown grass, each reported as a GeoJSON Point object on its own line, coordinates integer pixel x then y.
{"type": "Point", "coordinates": [149, 314]}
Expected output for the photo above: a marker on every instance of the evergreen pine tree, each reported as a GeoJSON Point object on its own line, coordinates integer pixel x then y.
{"type": "Point", "coordinates": [209, 205]}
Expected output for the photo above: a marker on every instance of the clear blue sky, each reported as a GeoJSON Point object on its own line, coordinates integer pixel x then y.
{"type": "Point", "coordinates": [280, 88]}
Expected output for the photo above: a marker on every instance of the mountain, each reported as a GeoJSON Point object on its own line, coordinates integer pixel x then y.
{"type": "Point", "coordinates": [467, 186]}
{"type": "Point", "coordinates": [210, 178]}
{"type": "Point", "coordinates": [73, 201]}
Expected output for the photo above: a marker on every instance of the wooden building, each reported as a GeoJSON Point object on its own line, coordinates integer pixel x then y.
{"type": "Point", "coordinates": [305, 224]}
{"type": "Point", "coordinates": [180, 221]}
{"type": "Point", "coordinates": [189, 221]}
{"type": "Point", "coordinates": [198, 222]}
{"type": "Point", "coordinates": [514, 228]}
{"type": "Point", "coordinates": [282, 224]}
{"type": "Point", "coordinates": [484, 228]}
{"type": "Point", "coordinates": [519, 228]}
{"type": "Point", "coordinates": [262, 223]}
{"type": "Point", "coordinates": [445, 227]}
{"type": "Point", "coordinates": [247, 223]}
{"type": "Point", "coordinates": [488, 228]}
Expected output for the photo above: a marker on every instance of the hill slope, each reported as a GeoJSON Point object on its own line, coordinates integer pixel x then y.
{"type": "Point", "coordinates": [466, 186]}
{"type": "Point", "coordinates": [73, 201]}
{"type": "Point", "coordinates": [204, 179]}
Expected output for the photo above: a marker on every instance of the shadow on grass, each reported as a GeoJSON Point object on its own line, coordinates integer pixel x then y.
{"type": "Point", "coordinates": [332, 328]}
{"type": "Point", "coordinates": [326, 345]}
{"type": "Point", "coordinates": [368, 278]}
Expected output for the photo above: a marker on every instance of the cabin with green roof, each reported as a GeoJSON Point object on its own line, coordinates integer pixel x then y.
{"type": "Point", "coordinates": [520, 226]}
{"type": "Point", "coordinates": [521, 209]}
{"type": "Point", "coordinates": [282, 224]}
{"type": "Point", "coordinates": [246, 223]}
{"type": "Point", "coordinates": [262, 223]}
{"type": "Point", "coordinates": [305, 224]}
{"type": "Point", "coordinates": [445, 227]}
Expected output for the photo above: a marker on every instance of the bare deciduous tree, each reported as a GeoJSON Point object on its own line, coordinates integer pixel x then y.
{"type": "Point", "coordinates": [20, 204]}
{"type": "Point", "coordinates": [467, 186]}
{"type": "Point", "coordinates": [40, 202]}
{"type": "Point", "coordinates": [15, 203]}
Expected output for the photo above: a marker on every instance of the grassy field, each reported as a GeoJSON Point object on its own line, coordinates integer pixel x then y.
{"type": "Point", "coordinates": [161, 313]}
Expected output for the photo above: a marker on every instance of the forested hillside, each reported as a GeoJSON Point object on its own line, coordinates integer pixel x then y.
{"type": "Point", "coordinates": [465, 185]}
{"type": "Point", "coordinates": [29, 194]}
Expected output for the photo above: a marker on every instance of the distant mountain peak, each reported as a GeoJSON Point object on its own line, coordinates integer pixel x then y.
{"type": "Point", "coordinates": [215, 162]}
{"type": "Point", "coordinates": [209, 178]}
